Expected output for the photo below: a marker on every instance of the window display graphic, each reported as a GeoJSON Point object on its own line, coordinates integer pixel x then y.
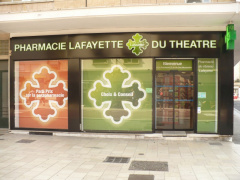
{"type": "Point", "coordinates": [41, 94]}
{"type": "Point", "coordinates": [117, 94]}
{"type": "Point", "coordinates": [48, 95]}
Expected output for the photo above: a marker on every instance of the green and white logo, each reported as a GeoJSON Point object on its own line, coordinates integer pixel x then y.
{"type": "Point", "coordinates": [137, 45]}
{"type": "Point", "coordinates": [117, 95]}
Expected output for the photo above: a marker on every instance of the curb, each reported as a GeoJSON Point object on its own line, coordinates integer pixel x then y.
{"type": "Point", "coordinates": [154, 136]}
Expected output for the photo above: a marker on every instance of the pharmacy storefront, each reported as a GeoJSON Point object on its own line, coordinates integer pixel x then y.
{"type": "Point", "coordinates": [122, 82]}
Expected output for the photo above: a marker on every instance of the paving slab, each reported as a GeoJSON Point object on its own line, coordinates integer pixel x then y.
{"type": "Point", "coordinates": [174, 134]}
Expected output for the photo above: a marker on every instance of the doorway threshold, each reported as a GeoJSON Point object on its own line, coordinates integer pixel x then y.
{"type": "Point", "coordinates": [174, 134]}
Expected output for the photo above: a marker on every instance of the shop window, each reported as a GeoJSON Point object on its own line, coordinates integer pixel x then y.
{"type": "Point", "coordinates": [116, 97]}
{"type": "Point", "coordinates": [207, 110]}
{"type": "Point", "coordinates": [41, 94]}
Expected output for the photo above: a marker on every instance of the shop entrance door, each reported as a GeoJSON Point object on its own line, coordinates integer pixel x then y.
{"type": "Point", "coordinates": [3, 99]}
{"type": "Point", "coordinates": [174, 100]}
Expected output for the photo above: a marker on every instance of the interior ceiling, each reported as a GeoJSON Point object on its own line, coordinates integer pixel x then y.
{"type": "Point", "coordinates": [124, 19]}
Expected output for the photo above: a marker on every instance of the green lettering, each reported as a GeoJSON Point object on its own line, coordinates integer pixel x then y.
{"type": "Point", "coordinates": [154, 44]}
{"type": "Point", "coordinates": [89, 45]}
{"type": "Point", "coordinates": [22, 47]}
{"type": "Point", "coordinates": [16, 47]}
{"type": "Point", "coordinates": [100, 45]}
{"type": "Point", "coordinates": [48, 47]}
{"type": "Point", "coordinates": [63, 46]}
{"type": "Point", "coordinates": [107, 43]}
{"type": "Point", "coordinates": [34, 47]}
{"type": "Point", "coordinates": [114, 44]}
{"type": "Point", "coordinates": [193, 44]}
{"type": "Point", "coordinates": [28, 47]}
{"type": "Point", "coordinates": [205, 43]}
{"type": "Point", "coordinates": [179, 44]}
{"type": "Point", "coordinates": [83, 44]}
{"type": "Point", "coordinates": [120, 44]}
{"type": "Point", "coordinates": [70, 46]}
{"type": "Point", "coordinates": [213, 44]}
{"type": "Point", "coordinates": [56, 46]}
{"type": "Point", "coordinates": [199, 43]}
{"type": "Point", "coordinates": [186, 43]}
{"type": "Point", "coordinates": [94, 44]}
{"type": "Point", "coordinates": [172, 43]}
{"type": "Point", "coordinates": [41, 47]}
{"type": "Point", "coordinates": [77, 46]}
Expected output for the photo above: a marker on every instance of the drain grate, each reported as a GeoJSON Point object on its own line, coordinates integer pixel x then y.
{"type": "Point", "coordinates": [25, 141]}
{"type": "Point", "coordinates": [215, 144]}
{"type": "Point", "coordinates": [149, 166]}
{"type": "Point", "coordinates": [112, 159]}
{"type": "Point", "coordinates": [140, 177]}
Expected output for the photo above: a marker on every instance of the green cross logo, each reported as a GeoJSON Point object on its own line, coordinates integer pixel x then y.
{"type": "Point", "coordinates": [138, 45]}
{"type": "Point", "coordinates": [117, 95]}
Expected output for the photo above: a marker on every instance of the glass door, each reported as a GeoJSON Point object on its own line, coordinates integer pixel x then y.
{"type": "Point", "coordinates": [164, 100]}
{"type": "Point", "coordinates": [174, 92]}
{"type": "Point", "coordinates": [183, 104]}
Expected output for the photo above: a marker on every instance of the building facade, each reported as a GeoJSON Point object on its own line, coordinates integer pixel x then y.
{"type": "Point", "coordinates": [130, 73]}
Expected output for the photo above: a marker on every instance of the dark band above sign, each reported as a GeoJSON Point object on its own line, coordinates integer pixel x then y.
{"type": "Point", "coordinates": [181, 44]}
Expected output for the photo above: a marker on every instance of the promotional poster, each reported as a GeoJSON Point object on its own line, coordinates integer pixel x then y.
{"type": "Point", "coordinates": [41, 96]}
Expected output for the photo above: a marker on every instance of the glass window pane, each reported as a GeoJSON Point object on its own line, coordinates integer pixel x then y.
{"type": "Point", "coordinates": [41, 94]}
{"type": "Point", "coordinates": [117, 96]}
{"type": "Point", "coordinates": [207, 95]}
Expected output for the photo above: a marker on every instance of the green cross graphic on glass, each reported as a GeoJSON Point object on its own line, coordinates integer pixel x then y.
{"type": "Point", "coordinates": [117, 95]}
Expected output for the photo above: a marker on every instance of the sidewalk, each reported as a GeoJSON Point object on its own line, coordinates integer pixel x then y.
{"type": "Point", "coordinates": [236, 130]}
{"type": "Point", "coordinates": [42, 157]}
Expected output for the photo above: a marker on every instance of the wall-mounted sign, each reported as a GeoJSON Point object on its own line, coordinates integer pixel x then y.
{"type": "Point", "coordinates": [177, 65]}
{"type": "Point", "coordinates": [230, 37]}
{"type": "Point", "coordinates": [185, 44]}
